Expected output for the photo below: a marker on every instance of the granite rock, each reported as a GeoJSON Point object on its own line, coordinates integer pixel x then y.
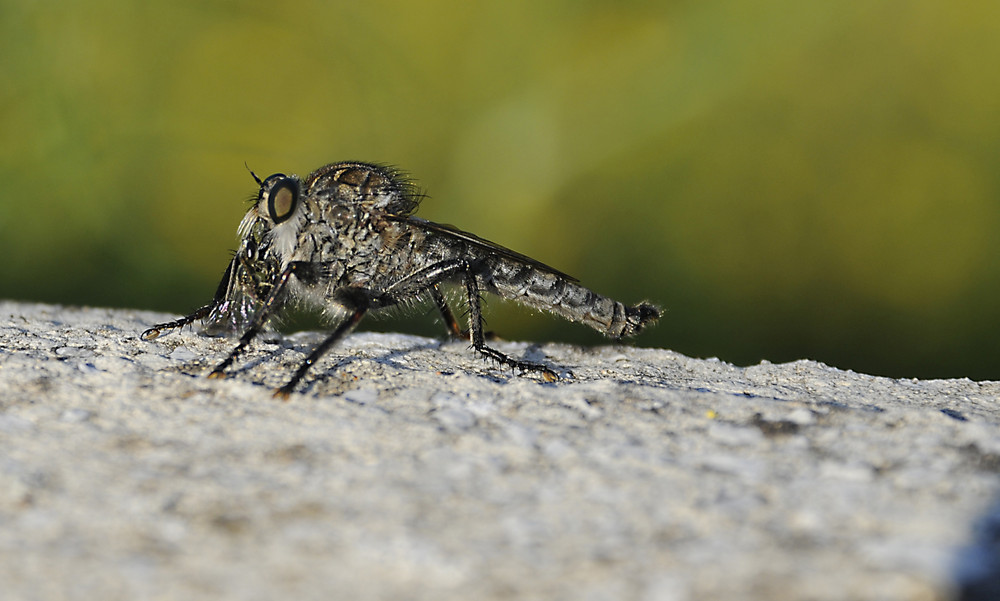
{"type": "Point", "coordinates": [408, 468]}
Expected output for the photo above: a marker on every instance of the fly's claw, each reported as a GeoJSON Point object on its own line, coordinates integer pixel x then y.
{"type": "Point", "coordinates": [549, 376]}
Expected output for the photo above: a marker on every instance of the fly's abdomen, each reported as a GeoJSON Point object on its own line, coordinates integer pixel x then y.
{"type": "Point", "coordinates": [555, 293]}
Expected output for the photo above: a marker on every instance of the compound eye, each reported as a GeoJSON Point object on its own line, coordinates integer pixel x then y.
{"type": "Point", "coordinates": [282, 198]}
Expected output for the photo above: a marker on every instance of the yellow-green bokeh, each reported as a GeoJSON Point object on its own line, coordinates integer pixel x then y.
{"type": "Point", "coordinates": [789, 179]}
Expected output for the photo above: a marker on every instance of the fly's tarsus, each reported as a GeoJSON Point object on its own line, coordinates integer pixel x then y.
{"type": "Point", "coordinates": [154, 332]}
{"type": "Point", "coordinates": [344, 240]}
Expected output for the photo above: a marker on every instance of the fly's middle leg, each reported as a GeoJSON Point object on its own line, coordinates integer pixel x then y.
{"type": "Point", "coordinates": [345, 326]}
{"type": "Point", "coordinates": [454, 330]}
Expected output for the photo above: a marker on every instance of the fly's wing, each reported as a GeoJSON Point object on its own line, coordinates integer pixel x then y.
{"type": "Point", "coordinates": [234, 305]}
{"type": "Point", "coordinates": [480, 243]}
{"type": "Point", "coordinates": [231, 317]}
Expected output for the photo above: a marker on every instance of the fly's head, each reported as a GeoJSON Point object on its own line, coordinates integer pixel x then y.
{"type": "Point", "coordinates": [269, 231]}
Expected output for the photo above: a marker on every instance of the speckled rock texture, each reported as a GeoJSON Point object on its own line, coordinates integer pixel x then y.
{"type": "Point", "coordinates": [408, 468]}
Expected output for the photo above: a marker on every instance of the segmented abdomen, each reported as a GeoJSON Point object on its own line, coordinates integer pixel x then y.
{"type": "Point", "coordinates": [550, 292]}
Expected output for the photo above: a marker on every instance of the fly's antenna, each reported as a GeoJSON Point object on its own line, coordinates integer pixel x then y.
{"type": "Point", "coordinates": [253, 175]}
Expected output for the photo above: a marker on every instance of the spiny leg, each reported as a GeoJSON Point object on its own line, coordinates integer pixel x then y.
{"type": "Point", "coordinates": [155, 331]}
{"type": "Point", "coordinates": [346, 326]}
{"type": "Point", "coordinates": [260, 318]}
{"type": "Point", "coordinates": [447, 316]}
{"type": "Point", "coordinates": [220, 294]}
{"type": "Point", "coordinates": [427, 279]}
{"type": "Point", "coordinates": [478, 340]}
{"type": "Point", "coordinates": [361, 301]}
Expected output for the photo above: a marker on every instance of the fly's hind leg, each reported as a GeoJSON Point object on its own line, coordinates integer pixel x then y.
{"type": "Point", "coordinates": [448, 317]}
{"type": "Point", "coordinates": [427, 279]}
{"type": "Point", "coordinates": [478, 338]}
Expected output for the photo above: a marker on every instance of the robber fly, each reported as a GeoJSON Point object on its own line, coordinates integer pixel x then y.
{"type": "Point", "coordinates": [345, 241]}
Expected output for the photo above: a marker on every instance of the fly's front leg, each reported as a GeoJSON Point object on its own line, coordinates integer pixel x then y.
{"type": "Point", "coordinates": [154, 332]}
{"type": "Point", "coordinates": [260, 317]}
{"type": "Point", "coordinates": [220, 294]}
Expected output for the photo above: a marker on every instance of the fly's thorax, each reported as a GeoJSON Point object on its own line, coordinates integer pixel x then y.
{"type": "Point", "coordinates": [332, 213]}
{"type": "Point", "coordinates": [380, 187]}
{"type": "Point", "coordinates": [338, 215]}
{"type": "Point", "coordinates": [400, 249]}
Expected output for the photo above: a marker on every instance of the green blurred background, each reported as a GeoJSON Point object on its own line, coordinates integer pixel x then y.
{"type": "Point", "coordinates": [789, 179]}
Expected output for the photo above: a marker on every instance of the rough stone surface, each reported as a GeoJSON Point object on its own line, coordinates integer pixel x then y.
{"type": "Point", "coordinates": [407, 468]}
